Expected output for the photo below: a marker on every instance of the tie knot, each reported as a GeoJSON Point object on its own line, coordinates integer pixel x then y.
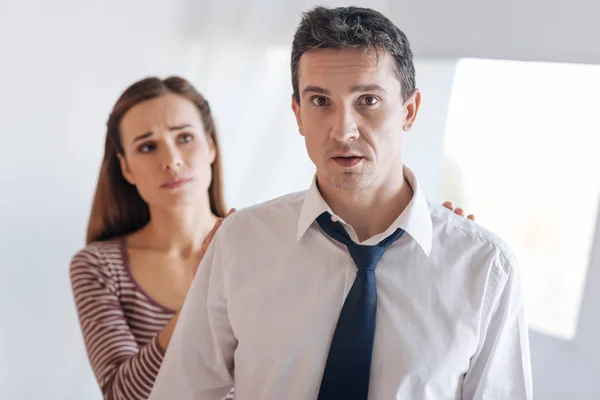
{"type": "Point", "coordinates": [365, 257]}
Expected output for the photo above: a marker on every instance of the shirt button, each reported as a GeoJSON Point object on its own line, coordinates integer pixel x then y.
{"type": "Point", "coordinates": [334, 218]}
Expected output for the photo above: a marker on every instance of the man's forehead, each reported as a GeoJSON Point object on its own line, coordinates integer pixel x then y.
{"type": "Point", "coordinates": [344, 58]}
{"type": "Point", "coordinates": [347, 67]}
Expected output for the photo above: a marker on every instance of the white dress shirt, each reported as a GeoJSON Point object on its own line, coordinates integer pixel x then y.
{"type": "Point", "coordinates": [261, 311]}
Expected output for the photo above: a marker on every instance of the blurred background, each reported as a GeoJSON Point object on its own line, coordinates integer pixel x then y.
{"type": "Point", "coordinates": [508, 130]}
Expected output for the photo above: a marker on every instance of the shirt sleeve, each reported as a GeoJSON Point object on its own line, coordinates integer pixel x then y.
{"type": "Point", "coordinates": [501, 368]}
{"type": "Point", "coordinates": [198, 363]}
{"type": "Point", "coordinates": [123, 369]}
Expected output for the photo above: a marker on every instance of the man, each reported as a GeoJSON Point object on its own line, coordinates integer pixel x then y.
{"type": "Point", "coordinates": [356, 287]}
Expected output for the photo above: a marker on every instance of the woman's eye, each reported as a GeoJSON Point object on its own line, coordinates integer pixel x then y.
{"type": "Point", "coordinates": [186, 137]}
{"type": "Point", "coordinates": [147, 148]}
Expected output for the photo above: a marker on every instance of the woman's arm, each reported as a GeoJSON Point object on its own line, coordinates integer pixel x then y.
{"type": "Point", "coordinates": [122, 368]}
{"type": "Point", "coordinates": [164, 337]}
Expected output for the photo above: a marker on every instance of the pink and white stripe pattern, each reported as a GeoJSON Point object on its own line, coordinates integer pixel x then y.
{"type": "Point", "coordinates": [118, 320]}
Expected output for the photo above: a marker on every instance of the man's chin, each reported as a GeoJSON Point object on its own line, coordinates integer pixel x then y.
{"type": "Point", "coordinates": [351, 182]}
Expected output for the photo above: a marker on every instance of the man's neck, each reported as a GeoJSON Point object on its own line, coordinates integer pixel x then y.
{"type": "Point", "coordinates": [369, 211]}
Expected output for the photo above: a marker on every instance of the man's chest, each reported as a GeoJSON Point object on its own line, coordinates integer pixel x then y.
{"type": "Point", "coordinates": [284, 313]}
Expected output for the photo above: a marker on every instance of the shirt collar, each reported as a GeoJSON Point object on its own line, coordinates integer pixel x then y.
{"type": "Point", "coordinates": [415, 220]}
{"type": "Point", "coordinates": [313, 206]}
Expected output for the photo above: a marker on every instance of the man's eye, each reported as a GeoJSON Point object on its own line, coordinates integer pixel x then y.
{"type": "Point", "coordinates": [320, 101]}
{"type": "Point", "coordinates": [370, 100]}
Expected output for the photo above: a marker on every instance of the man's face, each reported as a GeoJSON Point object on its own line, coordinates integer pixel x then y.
{"type": "Point", "coordinates": [352, 115]}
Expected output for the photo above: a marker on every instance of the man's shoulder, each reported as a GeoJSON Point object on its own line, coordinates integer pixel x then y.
{"type": "Point", "coordinates": [454, 230]}
{"type": "Point", "coordinates": [271, 213]}
{"type": "Point", "coordinates": [284, 201]}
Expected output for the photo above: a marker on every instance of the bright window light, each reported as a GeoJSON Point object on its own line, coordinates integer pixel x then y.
{"type": "Point", "coordinates": [522, 150]}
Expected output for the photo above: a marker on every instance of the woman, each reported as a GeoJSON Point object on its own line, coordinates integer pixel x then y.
{"type": "Point", "coordinates": [158, 196]}
{"type": "Point", "coordinates": [158, 202]}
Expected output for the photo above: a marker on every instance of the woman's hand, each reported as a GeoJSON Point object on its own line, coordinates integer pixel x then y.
{"type": "Point", "coordinates": [164, 336]}
{"type": "Point", "coordinates": [458, 210]}
{"type": "Point", "coordinates": [210, 235]}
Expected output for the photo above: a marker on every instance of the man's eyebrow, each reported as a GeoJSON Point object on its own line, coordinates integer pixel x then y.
{"type": "Point", "coordinates": [372, 87]}
{"type": "Point", "coordinates": [315, 89]}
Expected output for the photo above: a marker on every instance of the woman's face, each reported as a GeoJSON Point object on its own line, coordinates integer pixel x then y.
{"type": "Point", "coordinates": [167, 154]}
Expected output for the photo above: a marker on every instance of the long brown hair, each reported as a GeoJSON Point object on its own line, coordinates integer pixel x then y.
{"type": "Point", "coordinates": [118, 209]}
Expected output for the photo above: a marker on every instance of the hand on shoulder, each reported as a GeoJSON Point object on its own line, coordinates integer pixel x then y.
{"type": "Point", "coordinates": [457, 210]}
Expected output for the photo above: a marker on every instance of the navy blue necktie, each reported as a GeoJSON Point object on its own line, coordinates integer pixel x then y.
{"type": "Point", "coordinates": [348, 368]}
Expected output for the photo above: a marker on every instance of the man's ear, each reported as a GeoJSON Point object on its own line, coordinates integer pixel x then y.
{"type": "Point", "coordinates": [125, 169]}
{"type": "Point", "coordinates": [412, 109]}
{"type": "Point", "coordinates": [296, 109]}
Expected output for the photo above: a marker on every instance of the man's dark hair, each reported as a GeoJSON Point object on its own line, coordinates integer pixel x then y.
{"type": "Point", "coordinates": [353, 28]}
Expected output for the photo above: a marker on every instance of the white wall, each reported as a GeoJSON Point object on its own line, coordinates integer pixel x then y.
{"type": "Point", "coordinates": [542, 30]}
{"type": "Point", "coordinates": [62, 65]}
{"type": "Point", "coordinates": [569, 370]}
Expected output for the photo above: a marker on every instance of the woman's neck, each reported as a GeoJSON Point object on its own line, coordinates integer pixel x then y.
{"type": "Point", "coordinates": [179, 231]}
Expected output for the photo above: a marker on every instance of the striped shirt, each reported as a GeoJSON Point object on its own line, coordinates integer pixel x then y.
{"type": "Point", "coordinates": [119, 321]}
